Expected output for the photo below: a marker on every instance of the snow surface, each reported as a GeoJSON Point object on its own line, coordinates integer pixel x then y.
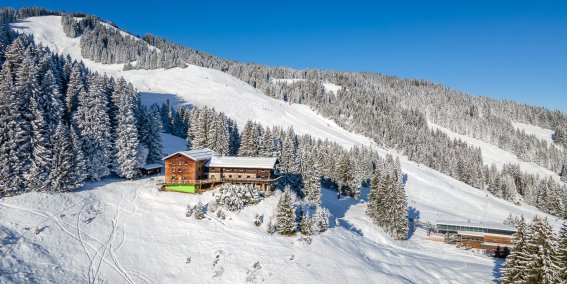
{"type": "Point", "coordinates": [492, 154]}
{"type": "Point", "coordinates": [127, 231]}
{"type": "Point", "coordinates": [543, 134]}
{"type": "Point", "coordinates": [329, 87]}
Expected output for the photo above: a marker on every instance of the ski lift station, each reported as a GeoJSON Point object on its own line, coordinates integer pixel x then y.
{"type": "Point", "coordinates": [485, 236]}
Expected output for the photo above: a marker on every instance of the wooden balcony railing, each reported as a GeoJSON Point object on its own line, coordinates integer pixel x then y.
{"type": "Point", "coordinates": [218, 180]}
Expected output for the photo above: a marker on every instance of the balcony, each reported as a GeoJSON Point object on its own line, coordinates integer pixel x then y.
{"type": "Point", "coordinates": [219, 180]}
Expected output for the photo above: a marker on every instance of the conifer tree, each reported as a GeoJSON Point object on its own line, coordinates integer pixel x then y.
{"type": "Point", "coordinates": [93, 123]}
{"type": "Point", "coordinates": [285, 214]}
{"type": "Point", "coordinates": [127, 144]}
{"type": "Point", "coordinates": [320, 219]}
{"type": "Point", "coordinates": [562, 252]}
{"type": "Point", "coordinates": [306, 225]}
{"type": "Point", "coordinates": [61, 176]}
{"type": "Point", "coordinates": [153, 139]}
{"type": "Point", "coordinates": [516, 262]}
{"type": "Point", "coordinates": [542, 266]}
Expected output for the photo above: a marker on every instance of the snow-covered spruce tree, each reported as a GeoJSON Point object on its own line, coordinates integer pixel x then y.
{"type": "Point", "coordinates": [515, 265]}
{"type": "Point", "coordinates": [198, 211]}
{"type": "Point", "coordinates": [127, 144]}
{"type": "Point", "coordinates": [344, 175]}
{"type": "Point", "coordinates": [62, 175]}
{"type": "Point", "coordinates": [79, 170]}
{"type": "Point", "coordinates": [152, 138]}
{"type": "Point", "coordinates": [399, 215]}
{"type": "Point", "coordinates": [74, 87]}
{"type": "Point", "coordinates": [320, 219]}
{"type": "Point", "coordinates": [542, 265]}
{"type": "Point", "coordinates": [306, 225]}
{"type": "Point", "coordinates": [8, 177]}
{"type": "Point", "coordinates": [249, 140]}
{"type": "Point", "coordinates": [375, 199]}
{"type": "Point", "coordinates": [42, 154]}
{"type": "Point", "coordinates": [20, 129]}
{"type": "Point", "coordinates": [92, 121]}
{"type": "Point", "coordinates": [285, 214]}
{"type": "Point", "coordinates": [562, 252]}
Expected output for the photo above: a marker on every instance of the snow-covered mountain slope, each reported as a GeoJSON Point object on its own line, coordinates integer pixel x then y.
{"type": "Point", "coordinates": [120, 231]}
{"type": "Point", "coordinates": [329, 87]}
{"type": "Point", "coordinates": [128, 232]}
{"type": "Point", "coordinates": [204, 86]}
{"type": "Point", "coordinates": [492, 154]}
{"type": "Point", "coordinates": [140, 235]}
{"type": "Point", "coordinates": [541, 133]}
{"type": "Point", "coordinates": [199, 86]}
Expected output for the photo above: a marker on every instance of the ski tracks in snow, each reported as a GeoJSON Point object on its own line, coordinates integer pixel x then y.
{"type": "Point", "coordinates": [98, 251]}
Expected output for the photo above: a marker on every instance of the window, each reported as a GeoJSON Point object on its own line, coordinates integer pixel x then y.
{"type": "Point", "coordinates": [229, 176]}
{"type": "Point", "coordinates": [247, 176]}
{"type": "Point", "coordinates": [239, 176]}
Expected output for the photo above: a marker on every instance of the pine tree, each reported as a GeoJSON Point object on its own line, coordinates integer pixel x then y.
{"type": "Point", "coordinates": [79, 170]}
{"type": "Point", "coordinates": [375, 202]}
{"type": "Point", "coordinates": [127, 144]}
{"type": "Point", "coordinates": [320, 219]}
{"type": "Point", "coordinates": [344, 174]}
{"type": "Point", "coordinates": [93, 124]}
{"type": "Point", "coordinates": [61, 177]}
{"type": "Point", "coordinates": [516, 262]}
{"type": "Point", "coordinates": [542, 249]}
{"type": "Point", "coordinates": [153, 139]}
{"type": "Point", "coordinates": [249, 141]}
{"type": "Point", "coordinates": [562, 252]}
{"type": "Point", "coordinates": [285, 215]}
{"type": "Point", "coordinates": [75, 86]}
{"type": "Point", "coordinates": [306, 225]}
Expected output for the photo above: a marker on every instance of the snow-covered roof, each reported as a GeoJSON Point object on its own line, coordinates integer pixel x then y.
{"type": "Point", "coordinates": [242, 162]}
{"type": "Point", "coordinates": [152, 166]}
{"type": "Point", "coordinates": [196, 155]}
{"type": "Point", "coordinates": [494, 226]}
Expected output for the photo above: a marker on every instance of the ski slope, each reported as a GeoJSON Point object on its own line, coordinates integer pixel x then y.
{"type": "Point", "coordinates": [492, 154]}
{"type": "Point", "coordinates": [120, 231]}
{"type": "Point", "coordinates": [540, 133]}
{"type": "Point", "coordinates": [198, 86]}
{"type": "Point", "coordinates": [329, 87]}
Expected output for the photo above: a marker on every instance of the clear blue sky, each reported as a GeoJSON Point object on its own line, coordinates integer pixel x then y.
{"type": "Point", "coordinates": [502, 49]}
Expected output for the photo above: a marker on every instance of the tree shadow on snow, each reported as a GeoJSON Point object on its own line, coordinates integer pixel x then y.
{"type": "Point", "coordinates": [413, 215]}
{"type": "Point", "coordinates": [339, 206]}
{"type": "Point", "coordinates": [496, 273]}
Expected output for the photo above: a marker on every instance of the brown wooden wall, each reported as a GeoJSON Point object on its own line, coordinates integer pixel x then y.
{"type": "Point", "coordinates": [242, 172]}
{"type": "Point", "coordinates": [180, 167]}
{"type": "Point", "coordinates": [498, 239]}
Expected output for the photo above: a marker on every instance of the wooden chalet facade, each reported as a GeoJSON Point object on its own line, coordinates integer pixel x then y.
{"type": "Point", "coordinates": [198, 170]}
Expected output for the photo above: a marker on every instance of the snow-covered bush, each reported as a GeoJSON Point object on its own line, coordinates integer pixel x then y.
{"type": "Point", "coordinates": [220, 214]}
{"type": "Point", "coordinates": [189, 211]}
{"type": "Point", "coordinates": [258, 219]}
{"type": "Point", "coordinates": [234, 197]}
{"type": "Point", "coordinates": [199, 211]}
